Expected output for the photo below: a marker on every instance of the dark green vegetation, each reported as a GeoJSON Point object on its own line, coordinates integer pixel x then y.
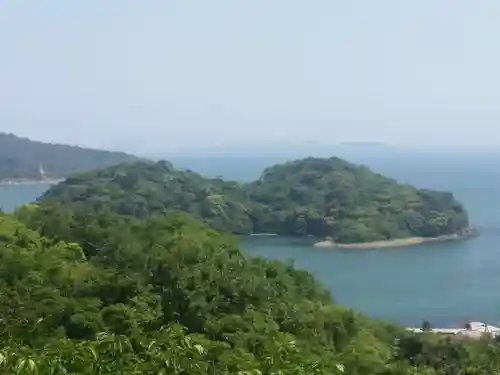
{"type": "Point", "coordinates": [350, 203]}
{"type": "Point", "coordinates": [20, 158]}
{"type": "Point", "coordinates": [145, 189]}
{"type": "Point", "coordinates": [319, 197]}
{"type": "Point", "coordinates": [85, 292]}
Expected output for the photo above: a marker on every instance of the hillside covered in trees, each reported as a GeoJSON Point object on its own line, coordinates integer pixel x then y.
{"type": "Point", "coordinates": [21, 158]}
{"type": "Point", "coordinates": [95, 293]}
{"type": "Point", "coordinates": [320, 197]}
{"type": "Point", "coordinates": [350, 203]}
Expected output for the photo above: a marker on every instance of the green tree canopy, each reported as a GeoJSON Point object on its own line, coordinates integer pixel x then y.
{"type": "Point", "coordinates": [319, 197]}
{"type": "Point", "coordinates": [86, 292]}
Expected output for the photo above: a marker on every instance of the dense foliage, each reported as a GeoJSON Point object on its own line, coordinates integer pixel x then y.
{"type": "Point", "coordinates": [350, 203]}
{"type": "Point", "coordinates": [100, 293]}
{"type": "Point", "coordinates": [144, 189]}
{"type": "Point", "coordinates": [20, 158]}
{"type": "Point", "coordinates": [319, 197]}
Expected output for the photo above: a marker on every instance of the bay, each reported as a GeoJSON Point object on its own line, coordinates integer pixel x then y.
{"type": "Point", "coordinates": [445, 283]}
{"type": "Point", "coordinates": [12, 196]}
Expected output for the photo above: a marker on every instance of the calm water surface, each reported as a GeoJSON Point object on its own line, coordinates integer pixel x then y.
{"type": "Point", "coordinates": [445, 283]}
{"type": "Point", "coordinates": [12, 196]}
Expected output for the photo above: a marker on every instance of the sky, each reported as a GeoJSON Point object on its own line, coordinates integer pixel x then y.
{"type": "Point", "coordinates": [166, 75]}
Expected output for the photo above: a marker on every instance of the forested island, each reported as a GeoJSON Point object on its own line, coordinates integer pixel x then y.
{"type": "Point", "coordinates": [23, 160]}
{"type": "Point", "coordinates": [326, 198]}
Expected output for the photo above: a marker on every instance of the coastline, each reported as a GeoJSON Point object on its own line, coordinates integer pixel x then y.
{"type": "Point", "coordinates": [397, 242]}
{"type": "Point", "coordinates": [30, 182]}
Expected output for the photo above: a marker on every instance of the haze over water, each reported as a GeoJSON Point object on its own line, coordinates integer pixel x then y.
{"type": "Point", "coordinates": [445, 283]}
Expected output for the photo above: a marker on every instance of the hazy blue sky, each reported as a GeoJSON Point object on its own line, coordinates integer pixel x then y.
{"type": "Point", "coordinates": [163, 74]}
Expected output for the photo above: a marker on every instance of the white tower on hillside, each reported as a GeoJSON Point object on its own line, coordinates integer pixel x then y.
{"type": "Point", "coordinates": [41, 172]}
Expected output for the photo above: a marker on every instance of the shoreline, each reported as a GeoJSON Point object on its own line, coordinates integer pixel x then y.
{"type": "Point", "coordinates": [397, 242]}
{"type": "Point", "coordinates": [30, 182]}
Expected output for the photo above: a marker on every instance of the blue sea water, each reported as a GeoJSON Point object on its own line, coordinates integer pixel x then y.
{"type": "Point", "coordinates": [445, 283]}
{"type": "Point", "coordinates": [12, 196]}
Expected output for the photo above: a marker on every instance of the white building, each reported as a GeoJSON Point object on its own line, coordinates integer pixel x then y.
{"type": "Point", "coordinates": [471, 329]}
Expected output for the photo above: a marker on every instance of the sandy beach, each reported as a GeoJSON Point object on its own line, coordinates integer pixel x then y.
{"type": "Point", "coordinates": [398, 242]}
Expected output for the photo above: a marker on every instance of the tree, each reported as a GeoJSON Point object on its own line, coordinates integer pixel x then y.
{"type": "Point", "coordinates": [103, 293]}
{"type": "Point", "coordinates": [319, 197]}
{"type": "Point", "coordinates": [426, 326]}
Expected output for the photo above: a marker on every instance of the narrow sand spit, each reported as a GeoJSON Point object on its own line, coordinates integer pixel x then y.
{"type": "Point", "coordinates": [398, 242]}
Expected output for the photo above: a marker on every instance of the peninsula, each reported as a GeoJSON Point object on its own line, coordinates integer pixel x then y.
{"type": "Point", "coordinates": [329, 199]}
{"type": "Point", "coordinates": [24, 161]}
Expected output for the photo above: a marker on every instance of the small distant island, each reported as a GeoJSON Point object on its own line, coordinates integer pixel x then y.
{"type": "Point", "coordinates": [337, 202]}
{"type": "Point", "coordinates": [23, 161]}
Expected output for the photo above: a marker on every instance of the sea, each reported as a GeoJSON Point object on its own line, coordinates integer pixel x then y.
{"type": "Point", "coordinates": [446, 283]}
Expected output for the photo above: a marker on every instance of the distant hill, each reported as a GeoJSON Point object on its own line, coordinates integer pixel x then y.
{"type": "Point", "coordinates": [22, 159]}
{"type": "Point", "coordinates": [245, 163]}
{"type": "Point", "coordinates": [281, 150]}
